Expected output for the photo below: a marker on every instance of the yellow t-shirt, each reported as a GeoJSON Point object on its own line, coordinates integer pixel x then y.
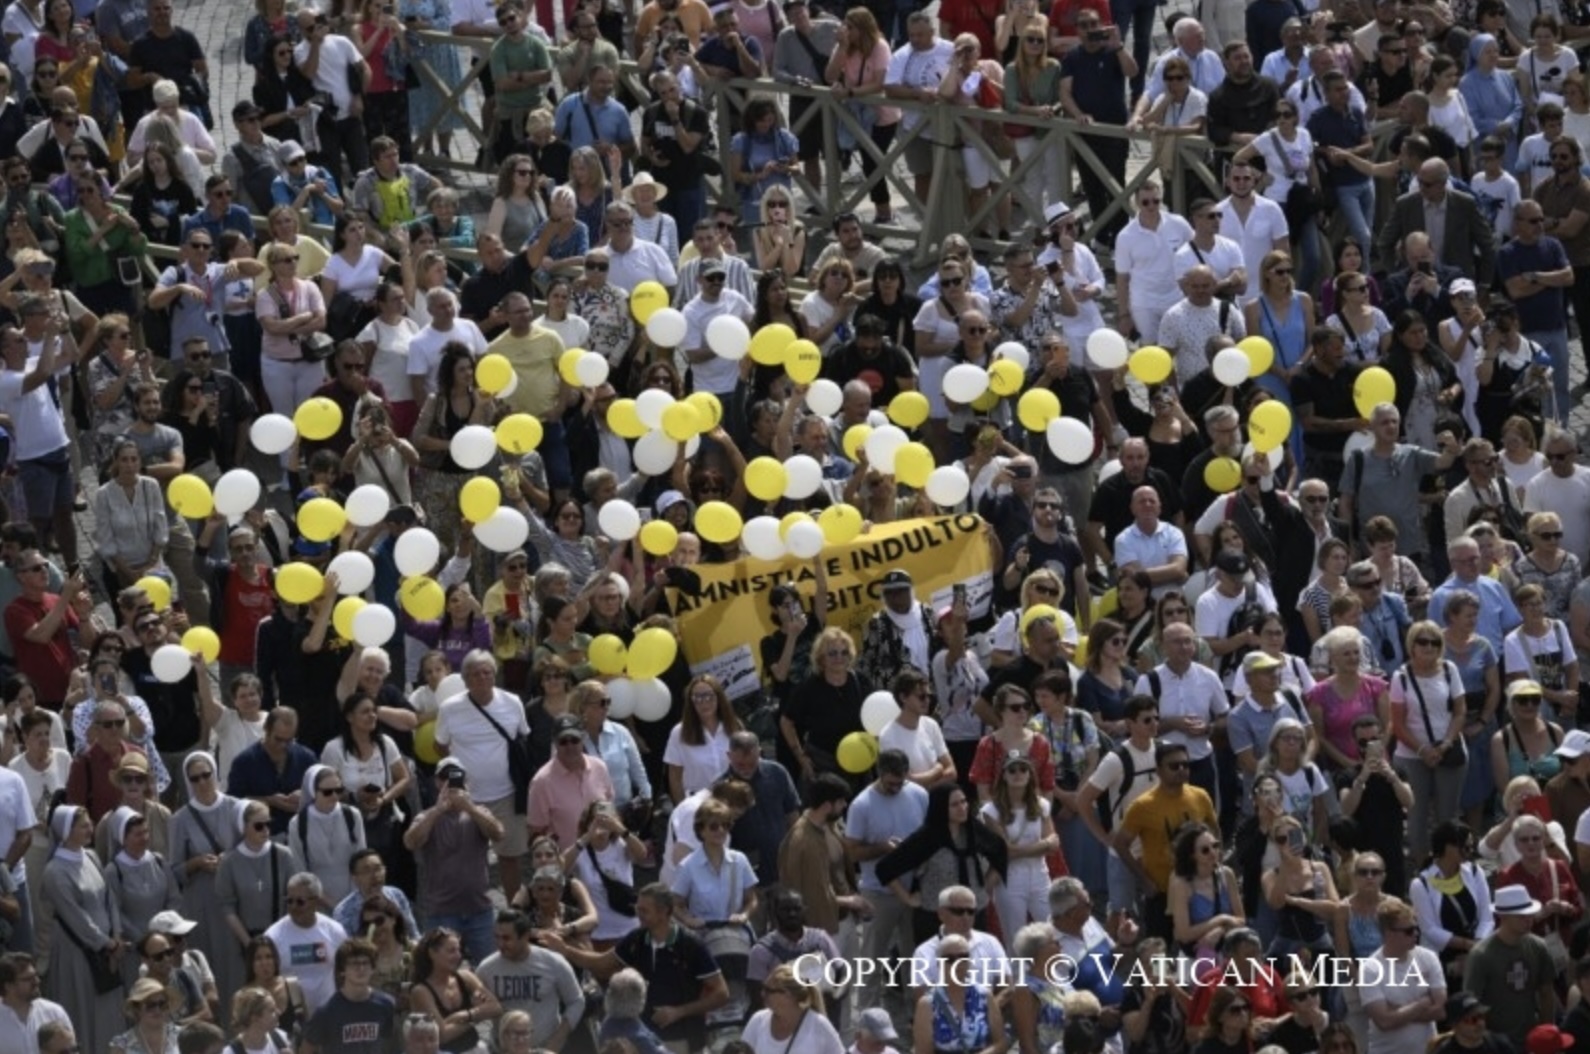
{"type": "Point", "coordinates": [1156, 817]}
{"type": "Point", "coordinates": [534, 358]}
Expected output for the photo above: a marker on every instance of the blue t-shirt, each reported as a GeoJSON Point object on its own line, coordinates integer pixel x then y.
{"type": "Point", "coordinates": [1541, 312]}
{"type": "Point", "coordinates": [368, 1026]}
{"type": "Point", "coordinates": [581, 121]}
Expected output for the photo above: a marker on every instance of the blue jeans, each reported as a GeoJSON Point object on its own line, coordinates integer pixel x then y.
{"type": "Point", "coordinates": [1555, 341]}
{"type": "Point", "coordinates": [1357, 202]}
{"type": "Point", "coordinates": [686, 207]}
{"type": "Point", "coordinates": [22, 936]}
{"type": "Point", "coordinates": [555, 455]}
{"type": "Point", "coordinates": [476, 932]}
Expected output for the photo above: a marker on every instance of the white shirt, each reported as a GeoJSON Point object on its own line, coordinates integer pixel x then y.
{"type": "Point", "coordinates": [701, 763]}
{"type": "Point", "coordinates": [987, 960]}
{"type": "Point", "coordinates": [425, 349]}
{"type": "Point", "coordinates": [307, 954]}
{"type": "Point", "coordinates": [1084, 271]}
{"type": "Point", "coordinates": [16, 815]}
{"type": "Point", "coordinates": [37, 427]}
{"type": "Point", "coordinates": [469, 737]}
{"type": "Point", "coordinates": [191, 130]}
{"type": "Point", "coordinates": [390, 365]}
{"type": "Point", "coordinates": [22, 1037]}
{"type": "Point", "coordinates": [1497, 199]}
{"type": "Point", "coordinates": [1147, 257]}
{"type": "Point", "coordinates": [717, 375]}
{"type": "Point", "coordinates": [1266, 224]}
{"type": "Point", "coordinates": [337, 55]}
{"type": "Point", "coordinates": [1197, 693]}
{"type": "Point", "coordinates": [1397, 988]}
{"type": "Point", "coordinates": [814, 1035]}
{"type": "Point", "coordinates": [1132, 546]}
{"type": "Point", "coordinates": [909, 68]}
{"type": "Point", "coordinates": [1223, 258]}
{"type": "Point", "coordinates": [923, 745]}
{"type": "Point", "coordinates": [1427, 723]}
{"type": "Point", "coordinates": [1308, 95]}
{"type": "Point", "coordinates": [645, 261]}
{"type": "Point", "coordinates": [1568, 498]}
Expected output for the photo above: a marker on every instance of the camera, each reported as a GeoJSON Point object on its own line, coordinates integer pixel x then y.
{"type": "Point", "coordinates": [1336, 32]}
{"type": "Point", "coordinates": [455, 778]}
{"type": "Point", "coordinates": [1098, 36]}
{"type": "Point", "coordinates": [1068, 779]}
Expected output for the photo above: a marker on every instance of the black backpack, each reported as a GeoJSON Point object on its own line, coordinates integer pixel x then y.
{"type": "Point", "coordinates": [1129, 776]}
{"type": "Point", "coordinates": [256, 178]}
{"type": "Point", "coordinates": [302, 822]}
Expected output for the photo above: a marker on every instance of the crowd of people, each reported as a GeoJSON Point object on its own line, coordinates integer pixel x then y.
{"type": "Point", "coordinates": [1274, 664]}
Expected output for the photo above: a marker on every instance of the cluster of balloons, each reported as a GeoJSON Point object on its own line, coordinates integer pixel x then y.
{"type": "Point", "coordinates": [637, 689]}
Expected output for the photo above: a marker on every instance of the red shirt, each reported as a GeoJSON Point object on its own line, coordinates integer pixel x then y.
{"type": "Point", "coordinates": [48, 665]}
{"type": "Point", "coordinates": [976, 17]}
{"type": "Point", "coordinates": [91, 784]}
{"type": "Point", "coordinates": [1543, 889]}
{"type": "Point", "coordinates": [246, 605]}
{"type": "Point", "coordinates": [1063, 15]}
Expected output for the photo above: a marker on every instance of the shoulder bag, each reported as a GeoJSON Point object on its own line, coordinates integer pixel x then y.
{"type": "Point", "coordinates": [106, 974]}
{"type": "Point", "coordinates": [620, 895]}
{"type": "Point", "coordinates": [1456, 755]}
{"type": "Point", "coordinates": [520, 767]}
{"type": "Point", "coordinates": [316, 347]}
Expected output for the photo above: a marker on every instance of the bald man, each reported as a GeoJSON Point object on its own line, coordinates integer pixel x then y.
{"type": "Point", "coordinates": [1459, 233]}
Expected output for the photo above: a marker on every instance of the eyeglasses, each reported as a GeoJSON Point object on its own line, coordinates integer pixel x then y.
{"type": "Point", "coordinates": [353, 367]}
{"type": "Point", "coordinates": [961, 912]}
{"type": "Point", "coordinates": [32, 569]}
{"type": "Point", "coordinates": [157, 1005]}
{"type": "Point", "coordinates": [329, 792]}
{"type": "Point", "coordinates": [1280, 270]}
{"type": "Point", "coordinates": [714, 278]}
{"type": "Point", "coordinates": [260, 825]}
{"type": "Point", "coordinates": [296, 901]}
{"type": "Point", "coordinates": [1559, 457]}
{"type": "Point", "coordinates": [1526, 701]}
{"type": "Point", "coordinates": [1032, 40]}
{"type": "Point", "coordinates": [1177, 766]}
{"type": "Point", "coordinates": [1169, 77]}
{"type": "Point", "coordinates": [1549, 536]}
{"type": "Point", "coordinates": [1017, 708]}
{"type": "Point", "coordinates": [1148, 203]}
{"type": "Point", "coordinates": [1373, 583]}
{"type": "Point", "coordinates": [200, 245]}
{"type": "Point", "coordinates": [1370, 872]}
{"type": "Point", "coordinates": [1427, 642]}
{"type": "Point", "coordinates": [951, 283]}
{"type": "Point", "coordinates": [109, 722]}
{"type": "Point", "coordinates": [160, 956]}
{"type": "Point", "coordinates": [595, 265]}
{"type": "Point", "coordinates": [564, 741]}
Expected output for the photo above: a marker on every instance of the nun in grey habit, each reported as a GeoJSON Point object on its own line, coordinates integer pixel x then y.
{"type": "Point", "coordinates": [326, 832]}
{"type": "Point", "coordinates": [141, 885]}
{"type": "Point", "coordinates": [76, 892]}
{"type": "Point", "coordinates": [251, 885]}
{"type": "Point", "coordinates": [201, 832]}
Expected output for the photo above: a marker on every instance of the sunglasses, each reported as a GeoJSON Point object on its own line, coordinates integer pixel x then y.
{"type": "Point", "coordinates": [595, 265]}
{"type": "Point", "coordinates": [260, 825]}
{"type": "Point", "coordinates": [112, 722]}
{"type": "Point", "coordinates": [951, 283]}
{"type": "Point", "coordinates": [329, 792]}
{"type": "Point", "coordinates": [964, 913]}
{"type": "Point", "coordinates": [1427, 642]}
{"type": "Point", "coordinates": [1370, 872]}
{"type": "Point", "coordinates": [200, 777]}
{"type": "Point", "coordinates": [1550, 536]}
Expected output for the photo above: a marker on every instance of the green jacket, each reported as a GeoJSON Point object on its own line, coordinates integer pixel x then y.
{"type": "Point", "coordinates": [95, 263]}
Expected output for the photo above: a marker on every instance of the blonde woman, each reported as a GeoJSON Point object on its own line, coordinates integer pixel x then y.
{"type": "Point", "coordinates": [829, 308]}
{"type": "Point", "coordinates": [856, 70]}
{"type": "Point", "coordinates": [1541, 650]}
{"type": "Point", "coordinates": [1427, 715]}
{"type": "Point", "coordinates": [1032, 88]}
{"type": "Point", "coordinates": [780, 240]}
{"type": "Point", "coordinates": [970, 80]}
{"type": "Point", "coordinates": [1042, 586]}
{"type": "Point", "coordinates": [792, 1018]}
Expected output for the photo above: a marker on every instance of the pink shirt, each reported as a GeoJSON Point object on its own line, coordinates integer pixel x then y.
{"type": "Point", "coordinates": [1339, 714]}
{"type": "Point", "coordinates": [270, 302]}
{"type": "Point", "coordinates": [855, 75]}
{"type": "Point", "coordinates": [558, 797]}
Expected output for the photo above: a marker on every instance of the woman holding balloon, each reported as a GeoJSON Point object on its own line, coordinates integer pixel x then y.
{"type": "Point", "coordinates": [456, 404]}
{"type": "Point", "coordinates": [1284, 317]}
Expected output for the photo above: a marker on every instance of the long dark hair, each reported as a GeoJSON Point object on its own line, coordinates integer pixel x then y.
{"type": "Point", "coordinates": [453, 352]}
{"type": "Point", "coordinates": [175, 389]}
{"type": "Point", "coordinates": [349, 705]}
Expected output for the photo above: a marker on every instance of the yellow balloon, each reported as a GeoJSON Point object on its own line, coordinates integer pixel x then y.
{"type": "Point", "coordinates": [1222, 474]}
{"type": "Point", "coordinates": [479, 498]}
{"type": "Point", "coordinates": [908, 410]}
{"type": "Point", "coordinates": [840, 523]}
{"type": "Point", "coordinates": [766, 479]}
{"type": "Point", "coordinates": [203, 640]}
{"type": "Point", "coordinates": [769, 344]}
{"type": "Point", "coordinates": [190, 496]}
{"type": "Point", "coordinates": [1005, 378]}
{"type": "Point", "coordinates": [681, 421]}
{"type": "Point", "coordinates": [493, 372]}
{"type": "Point", "coordinates": [718, 522]}
{"type": "Point", "coordinates": [913, 464]}
{"type": "Point", "coordinates": [318, 418]}
{"type": "Point", "coordinates": [342, 615]}
{"type": "Point", "coordinates": [158, 590]}
{"type": "Point", "coordinates": [623, 420]}
{"type": "Point", "coordinates": [791, 519]}
{"type": "Point", "coordinates": [1260, 353]}
{"type": "Point", "coordinates": [299, 583]}
{"type": "Point", "coordinates": [647, 299]}
{"type": "Point", "coordinates": [708, 406]}
{"type": "Point", "coordinates": [651, 653]}
{"type": "Point", "coordinates": [1269, 425]}
{"type": "Point", "coordinates": [1151, 365]}
{"type": "Point", "coordinates": [803, 361]}
{"type": "Point", "coordinates": [425, 743]}
{"type": "Point", "coordinates": [1036, 612]}
{"type": "Point", "coordinates": [1373, 387]}
{"type": "Point", "coordinates": [857, 753]}
{"type": "Point", "coordinates": [1080, 655]}
{"type": "Point", "coordinates": [856, 435]}
{"type": "Point", "coordinates": [566, 363]}
{"type": "Point", "coordinates": [519, 434]}
{"type": "Point", "coordinates": [423, 598]}
{"type": "Point", "coordinates": [986, 402]}
{"type": "Point", "coordinates": [1106, 604]}
{"type": "Point", "coordinates": [607, 655]}
{"type": "Point", "coordinates": [1036, 408]}
{"type": "Point", "coordinates": [321, 519]}
{"type": "Point", "coordinates": [659, 537]}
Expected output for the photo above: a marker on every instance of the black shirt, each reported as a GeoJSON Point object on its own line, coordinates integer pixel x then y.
{"type": "Point", "coordinates": [1112, 501]}
{"type": "Point", "coordinates": [1385, 89]}
{"type": "Point", "coordinates": [1332, 399]}
{"type": "Point", "coordinates": [170, 57]}
{"type": "Point", "coordinates": [1098, 86]}
{"type": "Point", "coordinates": [683, 171]}
{"type": "Point", "coordinates": [483, 291]}
{"type": "Point", "coordinates": [824, 713]}
{"type": "Point", "coordinates": [1062, 556]}
{"type": "Point", "coordinates": [174, 708]}
{"type": "Point", "coordinates": [674, 974]}
{"type": "Point", "coordinates": [883, 370]}
{"type": "Point", "coordinates": [1077, 394]}
{"type": "Point", "coordinates": [1247, 108]}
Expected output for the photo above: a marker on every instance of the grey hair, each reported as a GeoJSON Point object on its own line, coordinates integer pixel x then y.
{"type": "Point", "coordinates": [917, 18]}
{"type": "Point", "coordinates": [1385, 410]}
{"type": "Point", "coordinates": [546, 574]}
{"type": "Point", "coordinates": [1217, 415]}
{"type": "Point", "coordinates": [626, 994]}
{"type": "Point", "coordinates": [109, 707]}
{"type": "Point", "coordinates": [598, 476]}
{"type": "Point", "coordinates": [440, 293]}
{"type": "Point", "coordinates": [377, 655]}
{"type": "Point", "coordinates": [1341, 637]}
{"type": "Point", "coordinates": [858, 387]}
{"type": "Point", "coordinates": [420, 1023]}
{"type": "Point", "coordinates": [512, 1017]}
{"type": "Point", "coordinates": [307, 880]}
{"type": "Point", "coordinates": [1463, 542]}
{"type": "Point", "coordinates": [949, 892]}
{"type": "Point", "coordinates": [478, 657]}
{"type": "Point", "coordinates": [1237, 938]}
{"type": "Point", "coordinates": [1030, 939]}
{"type": "Point", "coordinates": [1065, 893]}
{"type": "Point", "coordinates": [1282, 726]}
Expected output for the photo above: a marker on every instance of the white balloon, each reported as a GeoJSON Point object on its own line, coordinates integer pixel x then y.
{"type": "Point", "coordinates": [1230, 367]}
{"type": "Point", "coordinates": [881, 446]}
{"type": "Point", "coordinates": [652, 699]}
{"type": "Point", "coordinates": [171, 663]}
{"type": "Point", "coordinates": [417, 551]}
{"type": "Point", "coordinates": [1277, 455]}
{"type": "Point", "coordinates": [728, 337]}
{"type": "Point", "coordinates": [618, 520]}
{"type": "Point", "coordinates": [1070, 440]}
{"type": "Point", "coordinates": [964, 383]}
{"type": "Point", "coordinates": [367, 505]}
{"type": "Point", "coordinates": [355, 572]}
{"type": "Point", "coordinates": [1107, 350]}
{"type": "Point", "coordinates": [650, 404]}
{"type": "Point", "coordinates": [374, 625]}
{"type": "Point", "coordinates": [877, 418]}
{"type": "Point", "coordinates": [450, 687]}
{"type": "Point", "coordinates": [824, 397]}
{"type": "Point", "coordinates": [621, 696]}
{"type": "Point", "coordinates": [804, 477]}
{"type": "Point", "coordinates": [473, 446]}
{"type": "Point", "coordinates": [513, 385]}
{"type": "Point", "coordinates": [504, 530]}
{"type": "Point", "coordinates": [692, 445]}
{"type": "Point", "coordinates": [878, 710]}
{"type": "Point", "coordinates": [236, 492]}
{"type": "Point", "coordinates": [1111, 468]}
{"type": "Point", "coordinates": [1015, 352]}
{"type": "Point", "coordinates": [804, 540]}
{"type": "Point", "coordinates": [666, 328]}
{"type": "Point", "coordinates": [591, 369]}
{"type": "Point", "coordinates": [948, 485]}
{"type": "Point", "coordinates": [655, 453]}
{"type": "Point", "coordinates": [760, 538]}
{"type": "Point", "coordinates": [272, 434]}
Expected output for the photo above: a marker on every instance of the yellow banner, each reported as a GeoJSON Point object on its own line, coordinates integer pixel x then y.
{"type": "Point", "coordinates": [723, 627]}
